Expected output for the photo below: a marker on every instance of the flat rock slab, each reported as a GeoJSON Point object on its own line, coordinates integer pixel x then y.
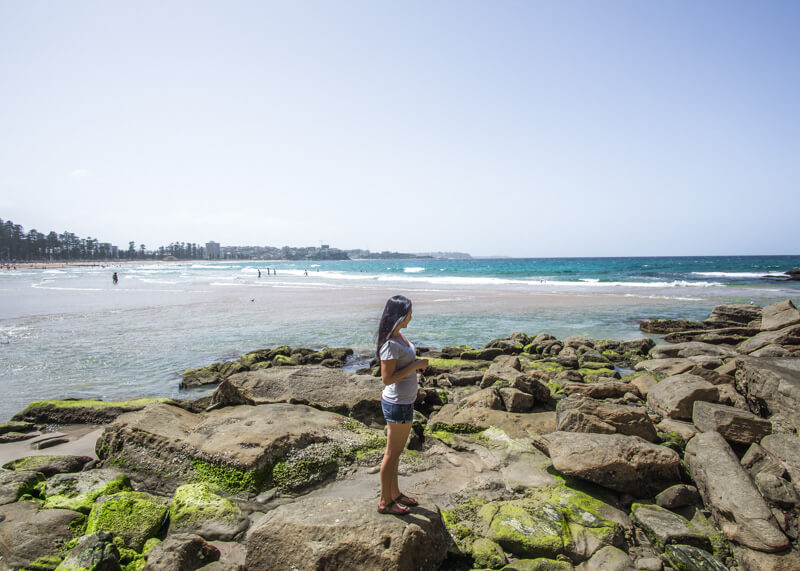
{"type": "Point", "coordinates": [74, 411]}
{"type": "Point", "coordinates": [664, 527]}
{"type": "Point", "coordinates": [475, 419]}
{"type": "Point", "coordinates": [49, 465]}
{"type": "Point", "coordinates": [606, 390]}
{"type": "Point", "coordinates": [671, 366]}
{"type": "Point", "coordinates": [622, 463]}
{"type": "Point", "coordinates": [327, 389]}
{"type": "Point", "coordinates": [786, 449]}
{"type": "Point", "coordinates": [28, 532]}
{"type": "Point", "coordinates": [675, 396]}
{"type": "Point", "coordinates": [690, 349]}
{"type": "Point", "coordinates": [771, 386]}
{"type": "Point", "coordinates": [242, 448]}
{"type": "Point", "coordinates": [581, 414]}
{"type": "Point", "coordinates": [786, 336]}
{"type": "Point", "coordinates": [335, 533]}
{"type": "Point", "coordinates": [779, 315]}
{"type": "Point", "coordinates": [730, 494]}
{"type": "Point", "coordinates": [733, 424]}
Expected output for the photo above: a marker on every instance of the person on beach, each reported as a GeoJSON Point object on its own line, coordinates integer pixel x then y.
{"type": "Point", "coordinates": [114, 278]}
{"type": "Point", "coordinates": [399, 365]}
{"type": "Point", "coordinates": [259, 274]}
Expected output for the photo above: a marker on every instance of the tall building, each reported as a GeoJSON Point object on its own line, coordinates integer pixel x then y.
{"type": "Point", "coordinates": [212, 250]}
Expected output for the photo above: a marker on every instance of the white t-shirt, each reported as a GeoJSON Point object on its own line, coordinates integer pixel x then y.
{"type": "Point", "coordinates": [403, 391]}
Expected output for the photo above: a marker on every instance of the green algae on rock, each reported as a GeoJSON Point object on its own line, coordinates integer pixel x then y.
{"type": "Point", "coordinates": [196, 508]}
{"type": "Point", "coordinates": [75, 411]}
{"type": "Point", "coordinates": [48, 464]}
{"type": "Point", "coordinates": [15, 484]}
{"type": "Point", "coordinates": [538, 564]}
{"type": "Point", "coordinates": [78, 491]}
{"type": "Point", "coordinates": [133, 516]}
{"type": "Point", "coordinates": [690, 558]}
{"type": "Point", "coordinates": [488, 554]}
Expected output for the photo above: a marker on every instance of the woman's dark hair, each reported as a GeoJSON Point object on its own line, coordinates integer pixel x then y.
{"type": "Point", "coordinates": [396, 309]}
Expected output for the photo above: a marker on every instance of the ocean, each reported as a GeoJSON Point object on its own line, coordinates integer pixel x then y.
{"type": "Point", "coordinates": [70, 332]}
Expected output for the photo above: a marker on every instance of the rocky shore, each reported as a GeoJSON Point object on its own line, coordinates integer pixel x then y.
{"type": "Point", "coordinates": [530, 453]}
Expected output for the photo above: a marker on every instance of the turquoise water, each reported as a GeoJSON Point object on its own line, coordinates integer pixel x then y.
{"type": "Point", "coordinates": [71, 333]}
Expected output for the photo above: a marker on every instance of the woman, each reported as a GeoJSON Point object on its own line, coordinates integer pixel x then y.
{"type": "Point", "coordinates": [399, 365]}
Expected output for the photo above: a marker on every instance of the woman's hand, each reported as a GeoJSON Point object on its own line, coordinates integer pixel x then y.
{"type": "Point", "coordinates": [421, 364]}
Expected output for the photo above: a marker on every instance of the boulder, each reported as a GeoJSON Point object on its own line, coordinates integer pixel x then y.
{"type": "Point", "coordinates": [609, 558]}
{"type": "Point", "coordinates": [674, 366]}
{"type": "Point", "coordinates": [243, 449]}
{"type": "Point", "coordinates": [730, 494]}
{"type": "Point", "coordinates": [661, 326]}
{"type": "Point", "coordinates": [694, 558]}
{"type": "Point", "coordinates": [609, 389]}
{"type": "Point", "coordinates": [734, 315]}
{"type": "Point", "coordinates": [499, 376]}
{"type": "Point", "coordinates": [684, 430]}
{"type": "Point", "coordinates": [464, 378]}
{"type": "Point", "coordinates": [133, 516]}
{"type": "Point", "coordinates": [772, 351]}
{"type": "Point", "coordinates": [581, 414]}
{"type": "Point", "coordinates": [49, 465]}
{"type": "Point", "coordinates": [338, 533]}
{"type": "Point", "coordinates": [752, 560]}
{"type": "Point", "coordinates": [690, 349]}
{"type": "Point", "coordinates": [327, 389]}
{"type": "Point", "coordinates": [779, 315]}
{"type": "Point", "coordinates": [181, 552]}
{"type": "Point", "coordinates": [76, 411]}
{"type": "Point", "coordinates": [476, 419]}
{"type": "Point", "coordinates": [733, 424]}
{"type": "Point", "coordinates": [777, 491]}
{"type": "Point", "coordinates": [29, 533]}
{"type": "Point", "coordinates": [675, 396]}
{"type": "Point", "coordinates": [644, 384]}
{"type": "Point", "coordinates": [757, 460]}
{"type": "Point", "coordinates": [508, 361]}
{"type": "Point", "coordinates": [514, 400]}
{"type": "Point", "coordinates": [663, 527]}
{"type": "Point", "coordinates": [786, 449]}
{"type": "Point", "coordinates": [15, 484]}
{"type": "Point", "coordinates": [678, 496]}
{"type": "Point", "coordinates": [78, 491]}
{"type": "Point", "coordinates": [771, 386]}
{"type": "Point", "coordinates": [789, 336]}
{"type": "Point", "coordinates": [622, 463]}
{"type": "Point", "coordinates": [95, 552]}
{"type": "Point", "coordinates": [724, 336]}
{"type": "Point", "coordinates": [196, 509]}
{"type": "Point", "coordinates": [487, 398]}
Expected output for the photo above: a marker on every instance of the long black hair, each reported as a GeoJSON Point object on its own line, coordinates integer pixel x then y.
{"type": "Point", "coordinates": [395, 310]}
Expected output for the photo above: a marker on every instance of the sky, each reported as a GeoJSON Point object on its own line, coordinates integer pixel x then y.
{"type": "Point", "coordinates": [536, 128]}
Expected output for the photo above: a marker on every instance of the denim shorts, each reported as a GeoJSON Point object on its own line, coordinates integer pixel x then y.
{"type": "Point", "coordinates": [402, 413]}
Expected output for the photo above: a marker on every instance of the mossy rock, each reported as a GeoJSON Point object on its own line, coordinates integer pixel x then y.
{"type": "Point", "coordinates": [525, 530]}
{"type": "Point", "coordinates": [488, 554]}
{"type": "Point", "coordinates": [539, 564]}
{"type": "Point", "coordinates": [590, 374]}
{"type": "Point", "coordinates": [544, 366]}
{"type": "Point", "coordinates": [76, 411]}
{"type": "Point", "coordinates": [283, 361]}
{"type": "Point", "coordinates": [79, 491]}
{"type": "Point", "coordinates": [133, 516]}
{"type": "Point", "coordinates": [689, 558]}
{"type": "Point", "coordinates": [48, 464]}
{"type": "Point", "coordinates": [196, 508]}
{"type": "Point", "coordinates": [44, 563]}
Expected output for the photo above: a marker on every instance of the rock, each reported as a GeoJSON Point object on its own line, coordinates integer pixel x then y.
{"type": "Point", "coordinates": [75, 411]}
{"type": "Point", "coordinates": [690, 349]}
{"type": "Point", "coordinates": [17, 436]}
{"type": "Point", "coordinates": [644, 384]}
{"type": "Point", "coordinates": [243, 449]}
{"type": "Point", "coordinates": [609, 558]}
{"type": "Point", "coordinates": [196, 509]}
{"type": "Point", "coordinates": [476, 419]}
{"type": "Point", "coordinates": [15, 484]}
{"type": "Point", "coordinates": [661, 326]}
{"type": "Point", "coordinates": [515, 400]}
{"type": "Point", "coordinates": [616, 461]}
{"type": "Point", "coordinates": [771, 386]}
{"type": "Point", "coordinates": [689, 557]}
{"type": "Point", "coordinates": [181, 552]}
{"type": "Point", "coordinates": [786, 449]}
{"type": "Point", "coordinates": [49, 465]}
{"type": "Point", "coordinates": [727, 490]}
{"type": "Point", "coordinates": [728, 395]}
{"type": "Point", "coordinates": [735, 315]}
{"type": "Point", "coordinates": [336, 533]}
{"type": "Point", "coordinates": [481, 354]}
{"type": "Point", "coordinates": [723, 336]}
{"type": "Point", "coordinates": [78, 491]}
{"type": "Point", "coordinates": [499, 376]}
{"type": "Point", "coordinates": [779, 315]}
{"type": "Point", "coordinates": [787, 336]}
{"type": "Point", "coordinates": [664, 527]}
{"type": "Point", "coordinates": [678, 496]}
{"type": "Point", "coordinates": [538, 564]}
{"type": "Point", "coordinates": [649, 564]}
{"type": "Point", "coordinates": [752, 560]}
{"type": "Point", "coordinates": [685, 430]}
{"type": "Point", "coordinates": [465, 378]}
{"type": "Point", "coordinates": [487, 553]}
{"type": "Point", "coordinates": [487, 398]}
{"type": "Point", "coordinates": [733, 424]}
{"type": "Point", "coordinates": [508, 361]}
{"type": "Point", "coordinates": [30, 534]}
{"type": "Point", "coordinates": [610, 389]}
{"type": "Point", "coordinates": [133, 516]}
{"type": "Point", "coordinates": [581, 414]}
{"type": "Point", "coordinates": [757, 460]}
{"type": "Point", "coordinates": [771, 351]}
{"type": "Point", "coordinates": [777, 491]}
{"type": "Point", "coordinates": [95, 552]}
{"type": "Point", "coordinates": [675, 396]}
{"type": "Point", "coordinates": [15, 426]}
{"type": "Point", "coordinates": [668, 367]}
{"type": "Point", "coordinates": [326, 389]}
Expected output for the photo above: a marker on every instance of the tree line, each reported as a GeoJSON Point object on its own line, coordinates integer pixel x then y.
{"type": "Point", "coordinates": [16, 245]}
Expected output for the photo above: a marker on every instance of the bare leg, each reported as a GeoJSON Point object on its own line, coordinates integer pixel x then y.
{"type": "Point", "coordinates": [395, 442]}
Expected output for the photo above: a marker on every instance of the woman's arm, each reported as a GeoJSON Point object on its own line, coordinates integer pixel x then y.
{"type": "Point", "coordinates": [390, 374]}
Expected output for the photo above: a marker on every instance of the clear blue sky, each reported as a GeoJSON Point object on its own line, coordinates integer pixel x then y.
{"type": "Point", "coordinates": [516, 128]}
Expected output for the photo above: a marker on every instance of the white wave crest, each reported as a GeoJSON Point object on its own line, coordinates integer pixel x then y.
{"type": "Point", "coordinates": [413, 270]}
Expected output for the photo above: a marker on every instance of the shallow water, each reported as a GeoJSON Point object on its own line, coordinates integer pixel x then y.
{"type": "Point", "coordinates": [72, 333]}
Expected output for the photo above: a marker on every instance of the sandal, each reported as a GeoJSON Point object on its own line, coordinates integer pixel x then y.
{"type": "Point", "coordinates": [393, 508]}
{"type": "Point", "coordinates": [406, 500]}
